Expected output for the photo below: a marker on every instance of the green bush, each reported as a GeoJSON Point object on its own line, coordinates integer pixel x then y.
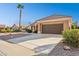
{"type": "Point", "coordinates": [16, 30]}
{"type": "Point", "coordinates": [71, 37]}
{"type": "Point", "coordinates": [74, 25]}
{"type": "Point", "coordinates": [28, 30]}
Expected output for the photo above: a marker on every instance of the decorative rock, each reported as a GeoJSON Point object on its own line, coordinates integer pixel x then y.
{"type": "Point", "coordinates": [67, 48]}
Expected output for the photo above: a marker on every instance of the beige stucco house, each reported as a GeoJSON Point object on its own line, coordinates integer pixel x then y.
{"type": "Point", "coordinates": [54, 24]}
{"type": "Point", "coordinates": [2, 26]}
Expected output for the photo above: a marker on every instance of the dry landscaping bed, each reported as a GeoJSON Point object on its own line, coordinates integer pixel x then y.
{"type": "Point", "coordinates": [59, 51]}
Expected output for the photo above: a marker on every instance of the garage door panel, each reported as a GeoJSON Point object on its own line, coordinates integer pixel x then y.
{"type": "Point", "coordinates": [53, 28]}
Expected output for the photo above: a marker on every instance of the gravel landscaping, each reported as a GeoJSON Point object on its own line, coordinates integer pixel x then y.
{"type": "Point", "coordinates": [59, 51]}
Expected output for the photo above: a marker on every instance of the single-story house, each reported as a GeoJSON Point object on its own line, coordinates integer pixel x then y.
{"type": "Point", "coordinates": [2, 26]}
{"type": "Point", "coordinates": [54, 24]}
{"type": "Point", "coordinates": [14, 27]}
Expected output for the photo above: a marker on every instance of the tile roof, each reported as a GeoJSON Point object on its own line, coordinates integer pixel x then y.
{"type": "Point", "coordinates": [52, 17]}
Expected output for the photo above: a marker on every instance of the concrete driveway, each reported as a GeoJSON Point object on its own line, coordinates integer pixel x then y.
{"type": "Point", "coordinates": [34, 44]}
{"type": "Point", "coordinates": [34, 37]}
{"type": "Point", "coordinates": [9, 49]}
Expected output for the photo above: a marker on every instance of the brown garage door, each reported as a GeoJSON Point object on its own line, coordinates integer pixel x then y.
{"type": "Point", "coordinates": [53, 28]}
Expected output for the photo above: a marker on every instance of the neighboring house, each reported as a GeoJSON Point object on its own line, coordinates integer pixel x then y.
{"type": "Point", "coordinates": [14, 27]}
{"type": "Point", "coordinates": [29, 27]}
{"type": "Point", "coordinates": [54, 24]}
{"type": "Point", "coordinates": [2, 26]}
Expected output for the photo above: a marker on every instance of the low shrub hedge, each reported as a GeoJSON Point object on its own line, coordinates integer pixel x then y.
{"type": "Point", "coordinates": [71, 37]}
{"type": "Point", "coordinates": [28, 30]}
{"type": "Point", "coordinates": [17, 30]}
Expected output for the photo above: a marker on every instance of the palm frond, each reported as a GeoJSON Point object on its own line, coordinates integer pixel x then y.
{"type": "Point", "coordinates": [20, 6]}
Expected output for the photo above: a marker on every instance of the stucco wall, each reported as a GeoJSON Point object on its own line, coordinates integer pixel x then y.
{"type": "Point", "coordinates": [67, 22]}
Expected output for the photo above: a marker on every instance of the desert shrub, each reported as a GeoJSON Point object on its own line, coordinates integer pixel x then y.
{"type": "Point", "coordinates": [6, 30]}
{"type": "Point", "coordinates": [28, 30]}
{"type": "Point", "coordinates": [3, 31]}
{"type": "Point", "coordinates": [71, 37]}
{"type": "Point", "coordinates": [9, 30]}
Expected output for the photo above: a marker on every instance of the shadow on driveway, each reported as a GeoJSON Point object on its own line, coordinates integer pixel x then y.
{"type": "Point", "coordinates": [18, 38]}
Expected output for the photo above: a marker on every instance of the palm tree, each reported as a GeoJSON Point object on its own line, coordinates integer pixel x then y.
{"type": "Point", "coordinates": [20, 7]}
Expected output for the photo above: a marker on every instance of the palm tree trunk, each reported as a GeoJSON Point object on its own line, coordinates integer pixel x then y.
{"type": "Point", "coordinates": [20, 19]}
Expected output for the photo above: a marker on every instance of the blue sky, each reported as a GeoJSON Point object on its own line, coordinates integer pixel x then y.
{"type": "Point", "coordinates": [9, 14]}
